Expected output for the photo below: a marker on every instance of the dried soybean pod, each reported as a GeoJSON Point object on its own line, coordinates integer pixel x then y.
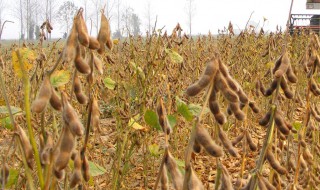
{"type": "Point", "coordinates": [65, 149]}
{"type": "Point", "coordinates": [93, 43]}
{"type": "Point", "coordinates": [281, 125]}
{"type": "Point", "coordinates": [272, 87]}
{"type": "Point", "coordinates": [69, 52]}
{"type": "Point", "coordinates": [85, 168]}
{"type": "Point", "coordinates": [40, 103]}
{"type": "Point", "coordinates": [307, 156]}
{"type": "Point", "coordinates": [225, 179]}
{"type": "Point", "coordinates": [80, 63]}
{"type": "Point", "coordinates": [59, 174]}
{"type": "Point", "coordinates": [76, 177]}
{"type": "Point", "coordinates": [70, 116]}
{"type": "Point", "coordinates": [81, 97]}
{"type": "Point", "coordinates": [262, 88]}
{"type": "Point", "coordinates": [104, 35]}
{"type": "Point", "coordinates": [253, 107]}
{"type": "Point", "coordinates": [173, 169]}
{"type": "Point", "coordinates": [81, 27]}
{"type": "Point", "coordinates": [220, 118]}
{"type": "Point", "coordinates": [162, 115]}
{"type": "Point", "coordinates": [314, 87]}
{"type": "Point", "coordinates": [252, 146]}
{"type": "Point", "coordinates": [261, 184]}
{"type": "Point", "coordinates": [285, 62]}
{"type": "Point", "coordinates": [194, 182]}
{"type": "Point", "coordinates": [227, 143]}
{"type": "Point", "coordinates": [277, 64]}
{"type": "Point", "coordinates": [95, 113]}
{"type": "Point", "coordinates": [213, 103]}
{"type": "Point", "coordinates": [303, 163]}
{"type": "Point", "coordinates": [290, 75]}
{"type": "Point", "coordinates": [98, 64]}
{"type": "Point", "coordinates": [209, 73]}
{"type": "Point", "coordinates": [26, 145]}
{"type": "Point", "coordinates": [268, 184]}
{"type": "Point", "coordinates": [164, 179]}
{"type": "Point", "coordinates": [205, 140]}
{"type": "Point", "coordinates": [4, 173]}
{"type": "Point", "coordinates": [228, 93]}
{"type": "Point", "coordinates": [45, 153]}
{"type": "Point", "coordinates": [265, 120]}
{"type": "Point", "coordinates": [242, 96]}
{"type": "Point", "coordinates": [55, 100]}
{"type": "Point", "coordinates": [257, 88]}
{"type": "Point", "coordinates": [238, 113]}
{"type": "Point", "coordinates": [292, 164]}
{"type": "Point", "coordinates": [238, 139]}
{"type": "Point", "coordinates": [275, 163]}
{"type": "Point", "coordinates": [196, 147]}
{"type": "Point", "coordinates": [287, 92]}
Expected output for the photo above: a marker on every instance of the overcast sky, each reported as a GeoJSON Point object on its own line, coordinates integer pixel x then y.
{"type": "Point", "coordinates": [210, 15]}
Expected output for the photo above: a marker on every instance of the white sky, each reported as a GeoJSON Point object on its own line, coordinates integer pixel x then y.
{"type": "Point", "coordinates": [209, 14]}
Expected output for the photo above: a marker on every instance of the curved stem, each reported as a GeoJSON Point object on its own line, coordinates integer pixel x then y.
{"type": "Point", "coordinates": [26, 86]}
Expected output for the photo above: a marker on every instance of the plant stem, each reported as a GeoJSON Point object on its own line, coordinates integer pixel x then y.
{"type": "Point", "coordinates": [26, 86]}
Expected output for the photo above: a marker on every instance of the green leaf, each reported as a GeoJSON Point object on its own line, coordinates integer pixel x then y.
{"type": "Point", "coordinates": [154, 150]}
{"type": "Point", "coordinates": [297, 125]}
{"type": "Point", "coordinates": [60, 78]}
{"type": "Point", "coordinates": [195, 109]}
{"type": "Point", "coordinates": [109, 83]}
{"type": "Point", "coordinates": [180, 163]}
{"type": "Point", "coordinates": [151, 118]}
{"type": "Point", "coordinates": [174, 56]}
{"type": "Point", "coordinates": [14, 110]}
{"type": "Point", "coordinates": [183, 109]}
{"type": "Point", "coordinates": [12, 178]}
{"type": "Point", "coordinates": [172, 120]}
{"type": "Point", "coordinates": [6, 122]}
{"type": "Point", "coordinates": [96, 170]}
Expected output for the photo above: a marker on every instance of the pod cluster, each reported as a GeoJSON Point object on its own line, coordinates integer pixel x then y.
{"type": "Point", "coordinates": [283, 72]}
{"type": "Point", "coordinates": [216, 73]}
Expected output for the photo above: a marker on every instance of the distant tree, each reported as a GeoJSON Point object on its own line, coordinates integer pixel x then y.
{"type": "Point", "coordinates": [190, 13]}
{"type": "Point", "coordinates": [135, 21]}
{"type": "Point", "coordinates": [31, 31]}
{"type": "Point", "coordinates": [66, 14]}
{"type": "Point", "coordinates": [131, 22]}
{"type": "Point", "coordinates": [148, 16]}
{"type": "Point", "coordinates": [37, 32]}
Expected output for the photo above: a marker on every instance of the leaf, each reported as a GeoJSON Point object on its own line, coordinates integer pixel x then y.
{"type": "Point", "coordinates": [60, 78]}
{"type": "Point", "coordinates": [95, 169]}
{"type": "Point", "coordinates": [151, 118]}
{"type": "Point", "coordinates": [141, 73]}
{"type": "Point", "coordinates": [132, 123]}
{"type": "Point", "coordinates": [183, 109]}
{"type": "Point", "coordinates": [297, 125]}
{"type": "Point", "coordinates": [154, 150]}
{"type": "Point", "coordinates": [270, 64]}
{"type": "Point", "coordinates": [27, 57]}
{"type": "Point", "coordinates": [115, 41]}
{"type": "Point", "coordinates": [14, 110]}
{"type": "Point", "coordinates": [109, 83]}
{"type": "Point", "coordinates": [195, 109]}
{"type": "Point", "coordinates": [12, 178]}
{"type": "Point", "coordinates": [6, 122]}
{"type": "Point", "coordinates": [172, 120]}
{"type": "Point", "coordinates": [174, 56]}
